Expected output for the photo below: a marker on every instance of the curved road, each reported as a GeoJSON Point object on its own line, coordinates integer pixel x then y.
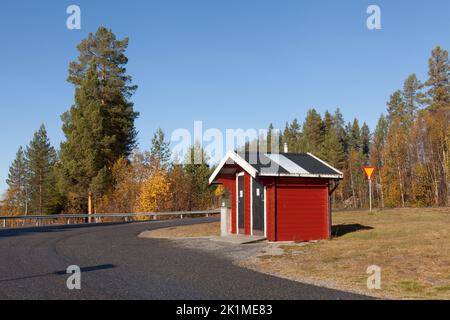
{"type": "Point", "coordinates": [116, 264]}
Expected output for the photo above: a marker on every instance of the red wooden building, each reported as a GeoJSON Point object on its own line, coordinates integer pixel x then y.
{"type": "Point", "coordinates": [284, 197]}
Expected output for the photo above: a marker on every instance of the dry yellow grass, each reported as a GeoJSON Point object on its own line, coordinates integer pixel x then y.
{"type": "Point", "coordinates": [191, 231]}
{"type": "Point", "coordinates": [412, 247]}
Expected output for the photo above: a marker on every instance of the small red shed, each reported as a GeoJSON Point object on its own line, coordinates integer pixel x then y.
{"type": "Point", "coordinates": [284, 197]}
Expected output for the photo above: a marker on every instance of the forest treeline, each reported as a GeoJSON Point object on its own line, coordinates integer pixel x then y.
{"type": "Point", "coordinates": [99, 156]}
{"type": "Point", "coordinates": [409, 146]}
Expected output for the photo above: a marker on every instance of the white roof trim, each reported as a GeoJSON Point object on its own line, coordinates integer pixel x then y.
{"type": "Point", "coordinates": [287, 164]}
{"type": "Point", "coordinates": [326, 164]}
{"type": "Point", "coordinates": [310, 175]}
{"type": "Point", "coordinates": [234, 157]}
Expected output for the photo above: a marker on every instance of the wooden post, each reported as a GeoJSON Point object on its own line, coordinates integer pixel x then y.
{"type": "Point", "coordinates": [90, 206]}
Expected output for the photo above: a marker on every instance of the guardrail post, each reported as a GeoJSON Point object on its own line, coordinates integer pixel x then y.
{"type": "Point", "coordinates": [89, 206]}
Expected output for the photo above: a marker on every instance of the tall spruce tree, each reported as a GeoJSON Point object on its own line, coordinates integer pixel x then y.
{"type": "Point", "coordinates": [41, 157]}
{"type": "Point", "coordinates": [18, 195]}
{"type": "Point", "coordinates": [354, 135]}
{"type": "Point", "coordinates": [313, 133]}
{"type": "Point", "coordinates": [115, 87]}
{"type": "Point", "coordinates": [365, 141]}
{"type": "Point", "coordinates": [160, 153]}
{"type": "Point", "coordinates": [376, 157]}
{"type": "Point", "coordinates": [412, 97]}
{"type": "Point", "coordinates": [198, 171]}
{"type": "Point", "coordinates": [339, 123]}
{"type": "Point", "coordinates": [99, 128]}
{"type": "Point", "coordinates": [291, 136]}
{"type": "Point", "coordinates": [397, 108]}
{"type": "Point", "coordinates": [438, 83]}
{"type": "Point", "coordinates": [270, 134]}
{"type": "Point", "coordinates": [86, 153]}
{"type": "Point", "coordinates": [332, 150]}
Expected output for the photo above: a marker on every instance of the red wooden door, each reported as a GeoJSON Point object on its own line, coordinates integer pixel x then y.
{"type": "Point", "coordinates": [302, 213]}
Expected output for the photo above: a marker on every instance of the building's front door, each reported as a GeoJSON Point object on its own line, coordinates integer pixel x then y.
{"type": "Point", "coordinates": [241, 202]}
{"type": "Point", "coordinates": [258, 208]}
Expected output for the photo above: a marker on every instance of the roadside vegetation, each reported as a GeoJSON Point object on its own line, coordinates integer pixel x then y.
{"type": "Point", "coordinates": [191, 231]}
{"type": "Point", "coordinates": [411, 246]}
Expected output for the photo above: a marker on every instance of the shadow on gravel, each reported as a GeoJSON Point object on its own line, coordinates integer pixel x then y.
{"type": "Point", "coordinates": [54, 228]}
{"type": "Point", "coordinates": [62, 272]}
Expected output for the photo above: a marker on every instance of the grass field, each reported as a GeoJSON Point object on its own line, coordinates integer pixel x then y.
{"type": "Point", "coordinates": [192, 231]}
{"type": "Point", "coordinates": [411, 246]}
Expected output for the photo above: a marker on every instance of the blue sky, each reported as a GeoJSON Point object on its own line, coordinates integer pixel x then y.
{"type": "Point", "coordinates": [231, 64]}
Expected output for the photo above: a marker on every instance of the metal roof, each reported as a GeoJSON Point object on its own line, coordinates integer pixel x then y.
{"type": "Point", "coordinates": [279, 164]}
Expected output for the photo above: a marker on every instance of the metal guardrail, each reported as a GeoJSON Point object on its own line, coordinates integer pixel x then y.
{"type": "Point", "coordinates": [97, 216]}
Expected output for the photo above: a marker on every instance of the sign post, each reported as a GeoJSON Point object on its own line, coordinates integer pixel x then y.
{"type": "Point", "coordinates": [369, 173]}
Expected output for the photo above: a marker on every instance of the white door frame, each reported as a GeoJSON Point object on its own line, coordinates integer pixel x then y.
{"type": "Point", "coordinates": [251, 208]}
{"type": "Point", "coordinates": [237, 200]}
{"type": "Point", "coordinates": [265, 211]}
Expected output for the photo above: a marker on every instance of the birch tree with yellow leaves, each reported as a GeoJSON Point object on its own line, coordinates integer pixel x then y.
{"type": "Point", "coordinates": [155, 192]}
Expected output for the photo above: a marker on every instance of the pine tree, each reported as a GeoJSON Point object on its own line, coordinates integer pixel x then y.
{"type": "Point", "coordinates": [87, 152]}
{"type": "Point", "coordinates": [313, 133]}
{"type": "Point", "coordinates": [332, 151]}
{"type": "Point", "coordinates": [397, 108]}
{"type": "Point", "coordinates": [354, 135]}
{"type": "Point", "coordinates": [291, 136]}
{"type": "Point", "coordinates": [99, 128]}
{"type": "Point", "coordinates": [438, 83]}
{"type": "Point", "coordinates": [107, 54]}
{"type": "Point", "coordinates": [332, 148]}
{"type": "Point", "coordinates": [365, 141]}
{"type": "Point", "coordinates": [412, 97]}
{"type": "Point", "coordinates": [41, 157]}
{"type": "Point", "coordinates": [18, 194]}
{"type": "Point", "coordinates": [160, 151]}
{"type": "Point", "coordinates": [328, 122]}
{"type": "Point", "coordinates": [197, 169]}
{"type": "Point", "coordinates": [270, 134]}
{"type": "Point", "coordinates": [339, 123]}
{"type": "Point", "coordinates": [376, 157]}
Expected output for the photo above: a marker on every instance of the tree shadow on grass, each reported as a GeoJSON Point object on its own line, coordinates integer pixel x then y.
{"type": "Point", "coordinates": [343, 229]}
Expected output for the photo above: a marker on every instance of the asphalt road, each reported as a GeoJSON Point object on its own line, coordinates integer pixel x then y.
{"type": "Point", "coordinates": [116, 264]}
